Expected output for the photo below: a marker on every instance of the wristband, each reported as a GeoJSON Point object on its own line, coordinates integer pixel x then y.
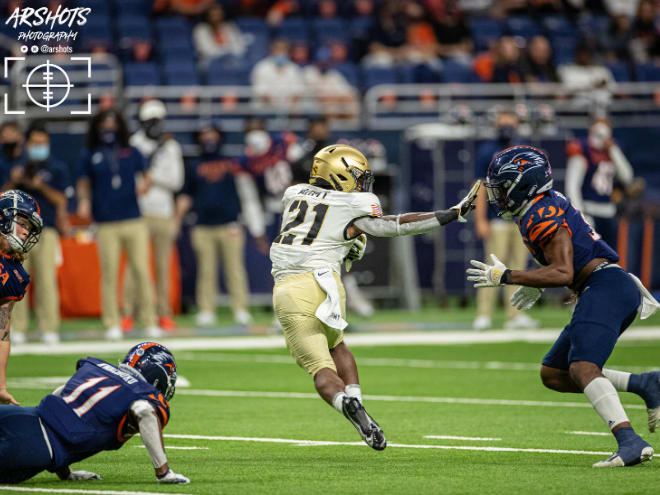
{"type": "Point", "coordinates": [506, 277]}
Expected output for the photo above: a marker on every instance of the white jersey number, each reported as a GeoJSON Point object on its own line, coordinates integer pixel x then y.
{"type": "Point", "coordinates": [319, 210]}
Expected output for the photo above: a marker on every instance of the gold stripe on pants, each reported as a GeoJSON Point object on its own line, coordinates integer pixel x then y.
{"type": "Point", "coordinates": [229, 240]}
{"type": "Point", "coordinates": [505, 242]}
{"type": "Point", "coordinates": [40, 264]}
{"type": "Point", "coordinates": [161, 234]}
{"type": "Point", "coordinates": [131, 236]}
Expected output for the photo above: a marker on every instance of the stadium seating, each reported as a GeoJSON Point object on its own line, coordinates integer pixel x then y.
{"type": "Point", "coordinates": [141, 74]}
{"type": "Point", "coordinates": [372, 76]}
{"type": "Point", "coordinates": [620, 71]}
{"type": "Point", "coordinates": [485, 30]}
{"type": "Point", "coordinates": [523, 26]}
{"type": "Point", "coordinates": [221, 74]}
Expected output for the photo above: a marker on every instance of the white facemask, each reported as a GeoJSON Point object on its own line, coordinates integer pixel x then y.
{"type": "Point", "coordinates": [599, 134]}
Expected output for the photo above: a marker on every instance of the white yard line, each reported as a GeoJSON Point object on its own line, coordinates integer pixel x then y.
{"type": "Point", "coordinates": [355, 340]}
{"type": "Point", "coordinates": [90, 492]}
{"type": "Point", "coordinates": [451, 437]}
{"type": "Point", "coordinates": [172, 447]}
{"type": "Point", "coordinates": [591, 433]}
{"type": "Point", "coordinates": [314, 443]}
{"type": "Point", "coordinates": [393, 398]}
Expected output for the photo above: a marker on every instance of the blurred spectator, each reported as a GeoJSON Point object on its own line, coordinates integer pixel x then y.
{"type": "Point", "coordinates": [217, 37]}
{"type": "Point", "coordinates": [421, 42]}
{"type": "Point", "coordinates": [164, 160]}
{"type": "Point", "coordinates": [218, 190]}
{"type": "Point", "coordinates": [617, 45]}
{"type": "Point", "coordinates": [358, 8]}
{"type": "Point", "coordinates": [46, 180]}
{"type": "Point", "coordinates": [302, 153]}
{"type": "Point", "coordinates": [184, 7]}
{"type": "Point", "coordinates": [11, 139]}
{"type": "Point", "coordinates": [300, 53]}
{"type": "Point", "coordinates": [594, 164]}
{"type": "Point", "coordinates": [545, 7]}
{"type": "Point", "coordinates": [508, 65]}
{"type": "Point", "coordinates": [111, 176]}
{"type": "Point", "coordinates": [451, 29]}
{"type": "Point", "coordinates": [590, 84]}
{"type": "Point", "coordinates": [499, 236]}
{"type": "Point", "coordinates": [537, 65]}
{"type": "Point", "coordinates": [326, 8]}
{"type": "Point", "coordinates": [646, 38]}
{"type": "Point", "coordinates": [276, 79]}
{"type": "Point", "coordinates": [388, 35]}
{"type": "Point", "coordinates": [329, 86]}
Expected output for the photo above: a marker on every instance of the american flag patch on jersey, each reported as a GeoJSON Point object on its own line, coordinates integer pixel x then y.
{"type": "Point", "coordinates": [376, 211]}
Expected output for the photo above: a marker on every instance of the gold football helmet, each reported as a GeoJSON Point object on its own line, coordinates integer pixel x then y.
{"type": "Point", "coordinates": [342, 168]}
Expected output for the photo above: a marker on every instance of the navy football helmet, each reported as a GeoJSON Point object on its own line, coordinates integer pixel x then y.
{"type": "Point", "coordinates": [156, 364]}
{"type": "Point", "coordinates": [15, 204]}
{"type": "Point", "coordinates": [515, 177]}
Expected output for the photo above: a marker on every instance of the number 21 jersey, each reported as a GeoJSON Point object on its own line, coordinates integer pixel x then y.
{"type": "Point", "coordinates": [314, 223]}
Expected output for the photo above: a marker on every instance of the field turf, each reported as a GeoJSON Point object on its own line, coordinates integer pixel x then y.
{"type": "Point", "coordinates": [260, 407]}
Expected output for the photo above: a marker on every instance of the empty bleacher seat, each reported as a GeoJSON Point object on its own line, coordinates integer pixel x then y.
{"type": "Point", "coordinates": [519, 25]}
{"type": "Point", "coordinates": [135, 7]}
{"type": "Point", "coordinates": [141, 74]}
{"type": "Point", "coordinates": [372, 76]}
{"type": "Point", "coordinates": [620, 71]}
{"type": "Point", "coordinates": [330, 29]}
{"type": "Point", "coordinates": [292, 28]}
{"type": "Point", "coordinates": [221, 74]}
{"type": "Point", "coordinates": [134, 27]}
{"type": "Point", "coordinates": [484, 31]}
{"type": "Point", "coordinates": [180, 78]}
{"type": "Point", "coordinates": [648, 72]}
{"type": "Point", "coordinates": [252, 25]}
{"type": "Point", "coordinates": [350, 71]}
{"type": "Point", "coordinates": [457, 72]}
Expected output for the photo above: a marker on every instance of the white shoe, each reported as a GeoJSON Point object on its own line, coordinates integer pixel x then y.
{"type": "Point", "coordinates": [482, 323]}
{"type": "Point", "coordinates": [205, 319]}
{"type": "Point", "coordinates": [114, 333]}
{"type": "Point", "coordinates": [242, 317]}
{"type": "Point", "coordinates": [154, 332]}
{"type": "Point", "coordinates": [18, 338]}
{"type": "Point", "coordinates": [521, 321]}
{"type": "Point", "coordinates": [50, 338]}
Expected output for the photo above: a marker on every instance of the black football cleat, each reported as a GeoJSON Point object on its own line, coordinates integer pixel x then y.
{"type": "Point", "coordinates": [365, 425]}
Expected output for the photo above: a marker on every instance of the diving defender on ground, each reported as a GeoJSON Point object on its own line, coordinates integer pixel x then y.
{"type": "Point", "coordinates": [99, 408]}
{"type": "Point", "coordinates": [20, 227]}
{"type": "Point", "coordinates": [571, 253]}
{"type": "Point", "coordinates": [324, 224]}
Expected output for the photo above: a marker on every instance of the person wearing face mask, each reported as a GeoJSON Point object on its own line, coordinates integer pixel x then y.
{"type": "Point", "coordinates": [594, 164]}
{"type": "Point", "coordinates": [111, 176]}
{"type": "Point", "coordinates": [11, 152]}
{"type": "Point", "coordinates": [46, 180]}
{"type": "Point", "coordinates": [218, 190]}
{"type": "Point", "coordinates": [166, 173]}
{"type": "Point", "coordinates": [498, 235]}
{"type": "Point", "coordinates": [276, 80]}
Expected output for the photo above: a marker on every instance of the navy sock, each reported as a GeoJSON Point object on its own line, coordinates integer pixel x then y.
{"type": "Point", "coordinates": [636, 384]}
{"type": "Point", "coordinates": [624, 434]}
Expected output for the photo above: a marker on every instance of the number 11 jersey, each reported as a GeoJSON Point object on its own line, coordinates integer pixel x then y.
{"type": "Point", "coordinates": [314, 223]}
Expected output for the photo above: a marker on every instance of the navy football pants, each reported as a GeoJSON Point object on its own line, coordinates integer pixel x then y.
{"type": "Point", "coordinates": [23, 450]}
{"type": "Point", "coordinates": [607, 306]}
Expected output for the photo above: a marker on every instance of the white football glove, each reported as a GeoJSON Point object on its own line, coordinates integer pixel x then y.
{"type": "Point", "coordinates": [525, 297]}
{"type": "Point", "coordinates": [466, 205]}
{"type": "Point", "coordinates": [486, 275]}
{"type": "Point", "coordinates": [172, 478]}
{"type": "Point", "coordinates": [83, 476]}
{"type": "Point", "coordinates": [356, 252]}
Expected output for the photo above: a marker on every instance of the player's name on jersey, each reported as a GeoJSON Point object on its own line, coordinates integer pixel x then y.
{"type": "Point", "coordinates": [121, 374]}
{"type": "Point", "coordinates": [311, 192]}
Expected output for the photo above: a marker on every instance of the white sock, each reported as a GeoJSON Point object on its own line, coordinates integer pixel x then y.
{"type": "Point", "coordinates": [354, 390]}
{"type": "Point", "coordinates": [619, 379]}
{"type": "Point", "coordinates": [602, 395]}
{"type": "Point", "coordinates": [338, 400]}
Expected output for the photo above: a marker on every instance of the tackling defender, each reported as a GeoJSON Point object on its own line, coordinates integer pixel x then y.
{"type": "Point", "coordinates": [571, 253]}
{"type": "Point", "coordinates": [99, 408]}
{"type": "Point", "coordinates": [324, 224]}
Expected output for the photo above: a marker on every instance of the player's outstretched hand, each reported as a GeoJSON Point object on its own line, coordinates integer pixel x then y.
{"type": "Point", "coordinates": [7, 398]}
{"type": "Point", "coordinates": [466, 205]}
{"type": "Point", "coordinates": [170, 477]}
{"type": "Point", "coordinates": [83, 476]}
{"type": "Point", "coordinates": [525, 297]}
{"type": "Point", "coordinates": [356, 252]}
{"type": "Point", "coordinates": [484, 275]}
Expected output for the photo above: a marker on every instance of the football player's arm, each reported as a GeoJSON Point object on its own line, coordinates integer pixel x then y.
{"type": "Point", "coordinates": [559, 272]}
{"type": "Point", "coordinates": [84, 192]}
{"type": "Point", "coordinates": [253, 213]}
{"type": "Point", "coordinates": [413, 223]}
{"type": "Point", "coordinates": [151, 432]}
{"type": "Point", "coordinates": [576, 168]}
{"type": "Point", "coordinates": [624, 171]}
{"type": "Point", "coordinates": [168, 172]}
{"type": "Point", "coordinates": [5, 347]}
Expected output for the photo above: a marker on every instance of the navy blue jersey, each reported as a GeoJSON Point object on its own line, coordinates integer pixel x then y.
{"type": "Point", "coordinates": [548, 213]}
{"type": "Point", "coordinates": [14, 280]}
{"type": "Point", "coordinates": [600, 173]}
{"type": "Point", "coordinates": [91, 413]}
{"type": "Point", "coordinates": [210, 183]}
{"type": "Point", "coordinates": [111, 171]}
{"type": "Point", "coordinates": [56, 175]}
{"type": "Point", "coordinates": [271, 171]}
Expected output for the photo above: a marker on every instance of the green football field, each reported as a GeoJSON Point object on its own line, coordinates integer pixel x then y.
{"type": "Point", "coordinates": [458, 419]}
